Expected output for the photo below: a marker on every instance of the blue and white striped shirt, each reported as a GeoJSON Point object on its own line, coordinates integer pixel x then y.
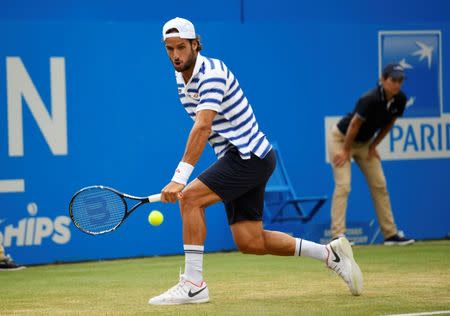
{"type": "Point", "coordinates": [214, 87]}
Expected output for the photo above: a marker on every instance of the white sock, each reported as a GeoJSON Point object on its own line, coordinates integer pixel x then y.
{"type": "Point", "coordinates": [193, 268]}
{"type": "Point", "coordinates": [310, 249]}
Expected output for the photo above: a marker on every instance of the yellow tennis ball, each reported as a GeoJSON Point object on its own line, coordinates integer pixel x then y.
{"type": "Point", "coordinates": [155, 218]}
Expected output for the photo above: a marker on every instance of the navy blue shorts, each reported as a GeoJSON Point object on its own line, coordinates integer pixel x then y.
{"type": "Point", "coordinates": [240, 184]}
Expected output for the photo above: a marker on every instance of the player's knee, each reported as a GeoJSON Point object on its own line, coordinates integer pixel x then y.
{"type": "Point", "coordinates": [251, 246]}
{"type": "Point", "coordinates": [190, 201]}
{"type": "Point", "coordinates": [378, 184]}
{"type": "Point", "coordinates": [342, 189]}
{"type": "Point", "coordinates": [246, 248]}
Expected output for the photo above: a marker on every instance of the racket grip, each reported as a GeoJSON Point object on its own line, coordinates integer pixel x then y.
{"type": "Point", "coordinates": [154, 198]}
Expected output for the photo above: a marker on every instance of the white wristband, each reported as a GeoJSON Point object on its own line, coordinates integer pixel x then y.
{"type": "Point", "coordinates": [182, 173]}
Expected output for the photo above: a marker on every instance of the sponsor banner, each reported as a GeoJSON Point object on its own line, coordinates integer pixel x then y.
{"type": "Point", "coordinates": [34, 230]}
{"type": "Point", "coordinates": [410, 138]}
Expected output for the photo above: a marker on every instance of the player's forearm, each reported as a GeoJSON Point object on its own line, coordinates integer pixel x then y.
{"type": "Point", "coordinates": [196, 143]}
{"type": "Point", "coordinates": [352, 131]}
{"type": "Point", "coordinates": [350, 136]}
{"type": "Point", "coordinates": [382, 134]}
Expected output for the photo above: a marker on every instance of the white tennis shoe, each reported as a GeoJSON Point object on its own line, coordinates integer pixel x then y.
{"type": "Point", "coordinates": [185, 292]}
{"type": "Point", "coordinates": [340, 260]}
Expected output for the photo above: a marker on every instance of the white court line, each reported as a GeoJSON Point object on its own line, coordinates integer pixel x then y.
{"type": "Point", "coordinates": [11, 186]}
{"type": "Point", "coordinates": [424, 313]}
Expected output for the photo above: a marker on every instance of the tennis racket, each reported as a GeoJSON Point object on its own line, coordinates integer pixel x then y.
{"type": "Point", "coordinates": [98, 209]}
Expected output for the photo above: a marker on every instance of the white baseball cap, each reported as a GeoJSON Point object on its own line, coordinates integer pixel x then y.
{"type": "Point", "coordinates": [185, 29]}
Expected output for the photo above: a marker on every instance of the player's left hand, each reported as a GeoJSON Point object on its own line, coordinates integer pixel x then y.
{"type": "Point", "coordinates": [172, 192]}
{"type": "Point", "coordinates": [373, 153]}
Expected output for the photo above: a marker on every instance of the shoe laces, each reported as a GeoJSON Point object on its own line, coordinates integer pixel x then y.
{"type": "Point", "coordinates": [178, 288]}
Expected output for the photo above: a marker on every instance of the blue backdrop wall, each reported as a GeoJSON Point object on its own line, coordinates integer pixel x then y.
{"type": "Point", "coordinates": [88, 96]}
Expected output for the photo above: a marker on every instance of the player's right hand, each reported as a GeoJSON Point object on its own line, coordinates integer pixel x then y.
{"type": "Point", "coordinates": [171, 192]}
{"type": "Point", "coordinates": [341, 158]}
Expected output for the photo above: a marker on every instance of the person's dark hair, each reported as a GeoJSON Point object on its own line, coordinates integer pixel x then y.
{"type": "Point", "coordinates": [199, 46]}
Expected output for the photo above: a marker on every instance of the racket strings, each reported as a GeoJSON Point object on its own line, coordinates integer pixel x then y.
{"type": "Point", "coordinates": [97, 210]}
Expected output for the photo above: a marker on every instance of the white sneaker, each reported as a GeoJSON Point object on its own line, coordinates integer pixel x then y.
{"type": "Point", "coordinates": [185, 292]}
{"type": "Point", "coordinates": [340, 260]}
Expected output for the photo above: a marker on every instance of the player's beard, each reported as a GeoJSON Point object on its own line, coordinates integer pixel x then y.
{"type": "Point", "coordinates": [188, 64]}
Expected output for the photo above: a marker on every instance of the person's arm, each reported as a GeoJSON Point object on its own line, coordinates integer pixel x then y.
{"type": "Point", "coordinates": [196, 142]}
{"type": "Point", "coordinates": [380, 136]}
{"type": "Point", "coordinates": [343, 156]}
{"type": "Point", "coordinates": [198, 136]}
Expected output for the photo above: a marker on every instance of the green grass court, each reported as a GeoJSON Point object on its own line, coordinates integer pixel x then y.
{"type": "Point", "coordinates": [397, 280]}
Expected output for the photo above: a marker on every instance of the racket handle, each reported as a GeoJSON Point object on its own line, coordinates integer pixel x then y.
{"type": "Point", "coordinates": [154, 198]}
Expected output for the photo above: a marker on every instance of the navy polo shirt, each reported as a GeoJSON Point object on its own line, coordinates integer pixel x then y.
{"type": "Point", "coordinates": [375, 111]}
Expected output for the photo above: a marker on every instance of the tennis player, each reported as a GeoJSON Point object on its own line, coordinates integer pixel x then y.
{"type": "Point", "coordinates": [213, 98]}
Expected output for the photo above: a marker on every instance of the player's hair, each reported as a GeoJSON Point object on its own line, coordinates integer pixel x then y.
{"type": "Point", "coordinates": [199, 46]}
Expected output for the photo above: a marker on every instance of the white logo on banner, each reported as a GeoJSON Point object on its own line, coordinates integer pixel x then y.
{"type": "Point", "coordinates": [33, 230]}
{"type": "Point", "coordinates": [424, 130]}
{"type": "Point", "coordinates": [21, 91]}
